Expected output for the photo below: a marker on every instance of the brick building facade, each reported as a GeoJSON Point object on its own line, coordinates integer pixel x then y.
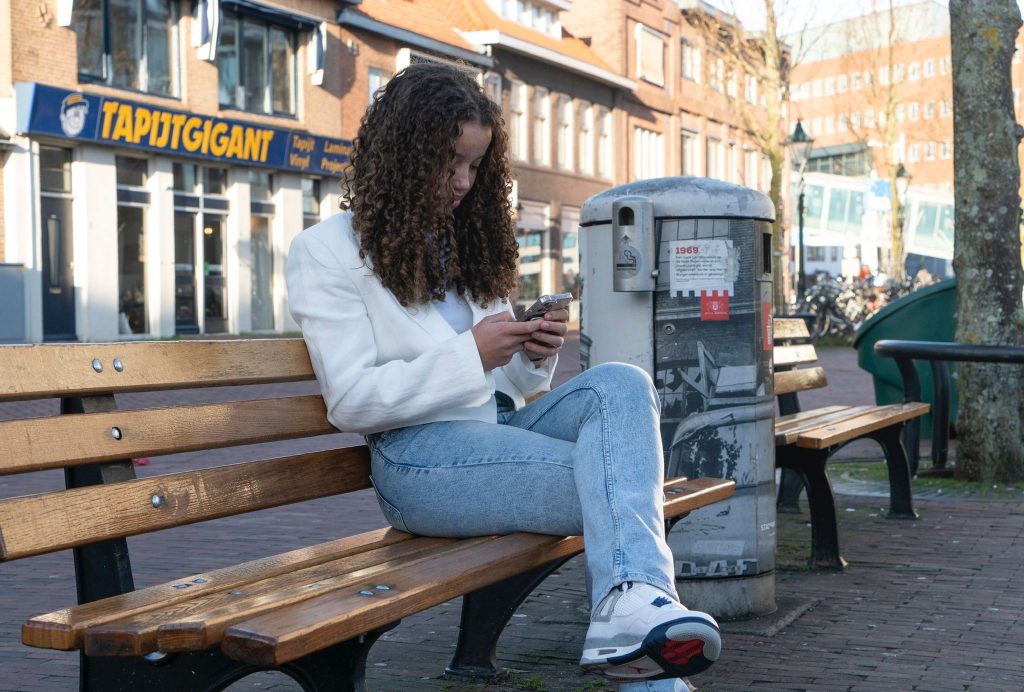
{"type": "Point", "coordinates": [163, 154]}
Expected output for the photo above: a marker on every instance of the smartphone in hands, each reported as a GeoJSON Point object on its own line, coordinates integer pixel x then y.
{"type": "Point", "coordinates": [546, 304]}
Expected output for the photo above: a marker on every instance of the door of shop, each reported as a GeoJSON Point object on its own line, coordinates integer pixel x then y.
{"type": "Point", "coordinates": [57, 258]}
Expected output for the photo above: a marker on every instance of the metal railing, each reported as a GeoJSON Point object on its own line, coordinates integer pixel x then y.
{"type": "Point", "coordinates": [938, 354]}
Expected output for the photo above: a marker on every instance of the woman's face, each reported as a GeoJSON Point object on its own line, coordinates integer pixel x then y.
{"type": "Point", "coordinates": [470, 149]}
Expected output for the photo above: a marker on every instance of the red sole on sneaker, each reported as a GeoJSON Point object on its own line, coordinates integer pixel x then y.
{"type": "Point", "coordinates": [680, 653]}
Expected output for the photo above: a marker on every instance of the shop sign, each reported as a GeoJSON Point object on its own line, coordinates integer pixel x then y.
{"type": "Point", "coordinates": [47, 110]}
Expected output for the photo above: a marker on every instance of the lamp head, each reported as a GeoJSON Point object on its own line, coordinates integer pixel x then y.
{"type": "Point", "coordinates": [799, 144]}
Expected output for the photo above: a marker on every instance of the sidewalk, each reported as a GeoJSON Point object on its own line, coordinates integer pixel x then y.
{"type": "Point", "coordinates": [931, 604]}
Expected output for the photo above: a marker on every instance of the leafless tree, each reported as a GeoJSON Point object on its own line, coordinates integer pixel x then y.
{"type": "Point", "coordinates": [764, 58]}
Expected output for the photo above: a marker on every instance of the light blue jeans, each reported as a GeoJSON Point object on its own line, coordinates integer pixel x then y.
{"type": "Point", "coordinates": [585, 458]}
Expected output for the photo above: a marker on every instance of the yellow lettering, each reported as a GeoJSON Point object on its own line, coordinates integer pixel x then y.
{"type": "Point", "coordinates": [123, 126]}
{"type": "Point", "coordinates": [332, 165]}
{"type": "Point", "coordinates": [207, 124]}
{"type": "Point", "coordinates": [161, 131]}
{"type": "Point", "coordinates": [219, 139]}
{"type": "Point", "coordinates": [143, 121]}
{"type": "Point", "coordinates": [236, 147]}
{"type": "Point", "coordinates": [298, 161]}
{"type": "Point", "coordinates": [190, 139]}
{"type": "Point", "coordinates": [335, 148]}
{"type": "Point", "coordinates": [300, 143]}
{"type": "Point", "coordinates": [109, 108]}
{"type": "Point", "coordinates": [265, 149]}
{"type": "Point", "coordinates": [177, 121]}
{"type": "Point", "coordinates": [252, 143]}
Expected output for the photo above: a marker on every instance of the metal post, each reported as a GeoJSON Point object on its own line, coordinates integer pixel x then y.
{"type": "Point", "coordinates": [801, 280]}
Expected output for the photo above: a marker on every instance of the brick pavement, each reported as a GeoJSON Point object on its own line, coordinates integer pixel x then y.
{"type": "Point", "coordinates": [929, 605]}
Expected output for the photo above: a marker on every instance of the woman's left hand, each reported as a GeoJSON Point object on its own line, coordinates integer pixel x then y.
{"type": "Point", "coordinates": [548, 340]}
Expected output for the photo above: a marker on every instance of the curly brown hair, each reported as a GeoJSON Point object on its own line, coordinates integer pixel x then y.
{"type": "Point", "coordinates": [400, 173]}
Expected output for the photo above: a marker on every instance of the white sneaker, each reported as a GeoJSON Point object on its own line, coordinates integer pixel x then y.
{"type": "Point", "coordinates": [640, 633]}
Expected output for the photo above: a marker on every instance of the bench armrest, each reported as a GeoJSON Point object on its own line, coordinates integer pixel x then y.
{"type": "Point", "coordinates": [939, 354]}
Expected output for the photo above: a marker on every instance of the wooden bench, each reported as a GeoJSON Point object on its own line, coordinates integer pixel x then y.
{"type": "Point", "coordinates": [313, 612]}
{"type": "Point", "coordinates": [805, 440]}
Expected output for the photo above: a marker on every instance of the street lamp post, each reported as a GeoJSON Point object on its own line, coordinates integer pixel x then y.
{"type": "Point", "coordinates": [799, 144]}
{"type": "Point", "coordinates": [902, 177]}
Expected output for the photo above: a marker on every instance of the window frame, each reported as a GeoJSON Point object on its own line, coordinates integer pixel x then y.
{"type": "Point", "coordinates": [240, 20]}
{"type": "Point", "coordinates": [107, 73]}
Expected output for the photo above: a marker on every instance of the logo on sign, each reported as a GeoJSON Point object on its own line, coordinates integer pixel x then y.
{"type": "Point", "coordinates": [714, 305]}
{"type": "Point", "coordinates": [73, 110]}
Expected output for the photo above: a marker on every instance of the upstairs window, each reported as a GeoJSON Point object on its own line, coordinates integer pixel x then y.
{"type": "Point", "coordinates": [690, 55]}
{"type": "Point", "coordinates": [257, 65]}
{"type": "Point", "coordinates": [128, 43]}
{"type": "Point", "coordinates": [650, 55]}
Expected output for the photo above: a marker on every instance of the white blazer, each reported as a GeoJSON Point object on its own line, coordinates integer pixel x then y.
{"type": "Point", "coordinates": [381, 365]}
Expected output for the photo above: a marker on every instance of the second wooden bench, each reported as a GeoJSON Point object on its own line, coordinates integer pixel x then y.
{"type": "Point", "coordinates": [806, 440]}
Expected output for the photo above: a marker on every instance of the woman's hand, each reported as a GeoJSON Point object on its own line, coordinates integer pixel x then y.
{"type": "Point", "coordinates": [547, 340]}
{"type": "Point", "coordinates": [499, 337]}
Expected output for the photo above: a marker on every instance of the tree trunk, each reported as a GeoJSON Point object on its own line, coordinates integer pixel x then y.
{"type": "Point", "coordinates": [987, 256]}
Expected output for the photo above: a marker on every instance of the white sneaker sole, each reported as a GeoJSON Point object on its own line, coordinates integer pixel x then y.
{"type": "Point", "coordinates": [675, 649]}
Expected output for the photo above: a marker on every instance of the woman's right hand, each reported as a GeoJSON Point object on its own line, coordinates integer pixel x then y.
{"type": "Point", "coordinates": [499, 337]}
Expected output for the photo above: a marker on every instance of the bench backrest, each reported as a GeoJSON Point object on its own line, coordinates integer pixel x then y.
{"type": "Point", "coordinates": [104, 499]}
{"type": "Point", "coordinates": [792, 350]}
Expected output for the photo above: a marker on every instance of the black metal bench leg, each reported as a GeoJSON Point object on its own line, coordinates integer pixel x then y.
{"type": "Point", "coordinates": [790, 487]}
{"type": "Point", "coordinates": [485, 612]}
{"type": "Point", "coordinates": [339, 668]}
{"type": "Point", "coordinates": [810, 465]}
{"type": "Point", "coordinates": [901, 505]}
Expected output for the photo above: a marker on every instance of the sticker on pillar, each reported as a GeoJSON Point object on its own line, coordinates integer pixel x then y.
{"type": "Point", "coordinates": [714, 305]}
{"type": "Point", "coordinates": [627, 262]}
{"type": "Point", "coordinates": [702, 265]}
{"type": "Point", "coordinates": [767, 335]}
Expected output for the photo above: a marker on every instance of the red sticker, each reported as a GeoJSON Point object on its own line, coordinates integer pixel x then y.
{"type": "Point", "coordinates": [714, 306]}
{"type": "Point", "coordinates": [766, 326]}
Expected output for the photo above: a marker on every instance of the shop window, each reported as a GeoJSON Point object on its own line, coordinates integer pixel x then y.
{"type": "Point", "coordinates": [310, 202]}
{"type": "Point", "coordinates": [201, 280]}
{"type": "Point", "coordinates": [132, 200]}
{"type": "Point", "coordinates": [128, 43]}
{"type": "Point", "coordinates": [256, 61]}
{"type": "Point", "coordinates": [261, 194]}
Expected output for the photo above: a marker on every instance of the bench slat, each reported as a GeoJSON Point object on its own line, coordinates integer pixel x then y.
{"type": "Point", "coordinates": [789, 328]}
{"type": "Point", "coordinates": [877, 419]}
{"type": "Point", "coordinates": [799, 380]}
{"type": "Point", "coordinates": [288, 634]}
{"type": "Point", "coordinates": [787, 432]}
{"type": "Point", "coordinates": [283, 636]}
{"type": "Point", "coordinates": [200, 623]}
{"type": "Point", "coordinates": [149, 365]}
{"type": "Point", "coordinates": [37, 524]}
{"type": "Point", "coordinates": [781, 422]}
{"type": "Point", "coordinates": [64, 629]}
{"type": "Point", "coordinates": [788, 356]}
{"type": "Point", "coordinates": [56, 441]}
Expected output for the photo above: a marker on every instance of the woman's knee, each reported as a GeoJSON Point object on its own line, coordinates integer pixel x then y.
{"type": "Point", "coordinates": [625, 379]}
